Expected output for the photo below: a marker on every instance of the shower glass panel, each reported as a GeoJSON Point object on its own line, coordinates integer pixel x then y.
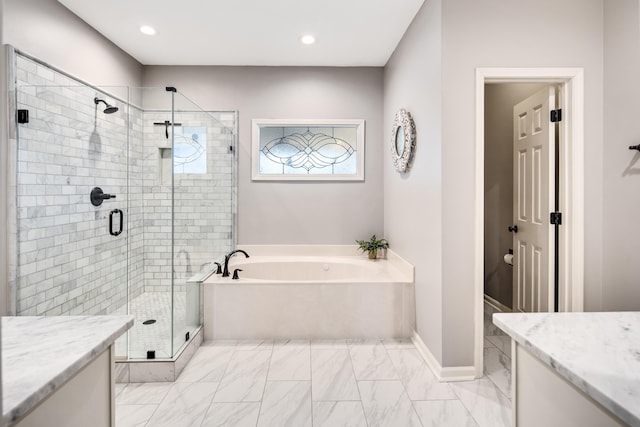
{"type": "Point", "coordinates": [170, 167]}
{"type": "Point", "coordinates": [72, 256]}
{"type": "Point", "coordinates": [181, 195]}
{"type": "Point", "coordinates": [202, 194]}
{"type": "Point", "coordinates": [150, 289]}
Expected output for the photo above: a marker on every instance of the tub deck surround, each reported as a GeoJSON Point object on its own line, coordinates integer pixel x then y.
{"type": "Point", "coordinates": [314, 269]}
{"type": "Point", "coordinates": [310, 292]}
{"type": "Point", "coordinates": [40, 354]}
{"type": "Point", "coordinates": [599, 353]}
{"type": "Point", "coordinates": [396, 267]}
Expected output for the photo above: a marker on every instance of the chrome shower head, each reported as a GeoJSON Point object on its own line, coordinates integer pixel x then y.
{"type": "Point", "coordinates": [109, 109]}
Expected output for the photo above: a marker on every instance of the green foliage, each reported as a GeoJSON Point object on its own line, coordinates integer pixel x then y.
{"type": "Point", "coordinates": [372, 244]}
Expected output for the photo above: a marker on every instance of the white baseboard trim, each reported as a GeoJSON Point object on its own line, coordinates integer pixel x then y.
{"type": "Point", "coordinates": [448, 374]}
{"type": "Point", "coordinates": [429, 358]}
{"type": "Point", "coordinates": [497, 304]}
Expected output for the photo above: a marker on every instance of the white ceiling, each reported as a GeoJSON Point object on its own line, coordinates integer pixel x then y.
{"type": "Point", "coordinates": [252, 32]}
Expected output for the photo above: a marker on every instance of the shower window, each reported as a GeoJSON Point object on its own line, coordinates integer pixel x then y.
{"type": "Point", "coordinates": [308, 150]}
{"type": "Point", "coordinates": [190, 149]}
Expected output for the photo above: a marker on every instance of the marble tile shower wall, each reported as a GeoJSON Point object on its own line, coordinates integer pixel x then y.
{"type": "Point", "coordinates": [68, 262]}
{"type": "Point", "coordinates": [135, 214]}
{"type": "Point", "coordinates": [203, 217]}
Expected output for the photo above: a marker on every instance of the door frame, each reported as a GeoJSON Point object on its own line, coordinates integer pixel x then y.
{"type": "Point", "coordinates": [571, 187]}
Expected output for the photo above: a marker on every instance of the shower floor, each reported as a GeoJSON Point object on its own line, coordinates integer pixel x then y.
{"type": "Point", "coordinates": [156, 336]}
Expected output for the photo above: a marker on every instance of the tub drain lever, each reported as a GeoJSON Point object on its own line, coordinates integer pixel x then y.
{"type": "Point", "coordinates": [235, 274]}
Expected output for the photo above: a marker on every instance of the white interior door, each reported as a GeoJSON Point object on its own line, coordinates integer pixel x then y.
{"type": "Point", "coordinates": [533, 198]}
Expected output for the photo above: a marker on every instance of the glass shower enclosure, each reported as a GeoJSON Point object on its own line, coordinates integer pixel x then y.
{"type": "Point", "coordinates": [122, 194]}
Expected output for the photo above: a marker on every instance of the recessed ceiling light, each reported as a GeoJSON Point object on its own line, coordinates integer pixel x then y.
{"type": "Point", "coordinates": [145, 29]}
{"type": "Point", "coordinates": [308, 39]}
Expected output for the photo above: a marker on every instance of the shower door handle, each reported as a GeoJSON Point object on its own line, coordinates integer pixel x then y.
{"type": "Point", "coordinates": [111, 215]}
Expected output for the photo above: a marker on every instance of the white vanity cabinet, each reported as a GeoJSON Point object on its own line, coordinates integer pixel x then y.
{"type": "Point", "coordinates": [59, 371]}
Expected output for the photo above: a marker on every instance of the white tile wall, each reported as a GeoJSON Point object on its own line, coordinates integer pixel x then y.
{"type": "Point", "coordinates": [203, 222]}
{"type": "Point", "coordinates": [67, 262]}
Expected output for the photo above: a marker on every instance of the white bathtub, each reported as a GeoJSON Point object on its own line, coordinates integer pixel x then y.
{"type": "Point", "coordinates": [313, 292]}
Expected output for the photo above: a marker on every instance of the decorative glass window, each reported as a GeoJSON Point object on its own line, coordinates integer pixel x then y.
{"type": "Point", "coordinates": [190, 149]}
{"type": "Point", "coordinates": [303, 150]}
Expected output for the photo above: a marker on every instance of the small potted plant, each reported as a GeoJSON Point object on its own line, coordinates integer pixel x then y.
{"type": "Point", "coordinates": [372, 245]}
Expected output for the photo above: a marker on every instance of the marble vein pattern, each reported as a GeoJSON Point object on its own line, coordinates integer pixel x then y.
{"type": "Point", "coordinates": [343, 414]}
{"type": "Point", "coordinates": [484, 400]}
{"type": "Point", "coordinates": [121, 373]}
{"type": "Point", "coordinates": [39, 354]}
{"type": "Point", "coordinates": [497, 366]}
{"type": "Point", "coordinates": [573, 344]}
{"type": "Point", "coordinates": [330, 397]}
{"type": "Point", "coordinates": [208, 364]}
{"type": "Point", "coordinates": [237, 414]}
{"type": "Point", "coordinates": [290, 360]}
{"type": "Point", "coordinates": [245, 377]}
{"type": "Point", "coordinates": [118, 388]}
{"type": "Point", "coordinates": [444, 413]}
{"type": "Point", "coordinates": [501, 342]}
{"type": "Point", "coordinates": [286, 403]}
{"type": "Point", "coordinates": [387, 405]}
{"type": "Point", "coordinates": [397, 344]}
{"type": "Point", "coordinates": [184, 405]}
{"type": "Point", "coordinates": [134, 415]}
{"type": "Point", "coordinates": [332, 375]}
{"type": "Point", "coordinates": [151, 372]}
{"type": "Point", "coordinates": [143, 393]}
{"type": "Point", "coordinates": [254, 345]}
{"type": "Point", "coordinates": [490, 329]}
{"type": "Point", "coordinates": [319, 343]}
{"type": "Point", "coordinates": [371, 362]}
{"type": "Point", "coordinates": [418, 380]}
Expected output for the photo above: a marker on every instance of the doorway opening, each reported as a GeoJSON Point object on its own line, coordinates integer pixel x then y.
{"type": "Point", "coordinates": [569, 188]}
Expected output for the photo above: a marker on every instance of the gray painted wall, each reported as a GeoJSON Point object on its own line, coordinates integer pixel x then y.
{"type": "Point", "coordinates": [479, 34]}
{"type": "Point", "coordinates": [48, 31]}
{"type": "Point", "coordinates": [413, 215]}
{"type": "Point", "coordinates": [516, 34]}
{"type": "Point", "coordinates": [621, 269]}
{"type": "Point", "coordinates": [294, 212]}
{"type": "Point", "coordinates": [499, 100]}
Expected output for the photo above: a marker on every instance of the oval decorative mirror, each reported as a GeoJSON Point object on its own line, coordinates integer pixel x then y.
{"type": "Point", "coordinates": [403, 140]}
{"type": "Point", "coordinates": [400, 141]}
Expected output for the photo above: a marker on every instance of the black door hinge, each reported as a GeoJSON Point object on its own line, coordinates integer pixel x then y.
{"type": "Point", "coordinates": [23, 116]}
{"type": "Point", "coordinates": [556, 115]}
{"type": "Point", "coordinates": [555, 218]}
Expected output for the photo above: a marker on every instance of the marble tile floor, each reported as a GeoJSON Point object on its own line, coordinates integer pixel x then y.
{"type": "Point", "coordinates": [497, 354]}
{"type": "Point", "coordinates": [301, 383]}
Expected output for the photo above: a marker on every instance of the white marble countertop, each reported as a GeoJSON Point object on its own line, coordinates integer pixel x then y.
{"type": "Point", "coordinates": [39, 354]}
{"type": "Point", "coordinates": [599, 353]}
